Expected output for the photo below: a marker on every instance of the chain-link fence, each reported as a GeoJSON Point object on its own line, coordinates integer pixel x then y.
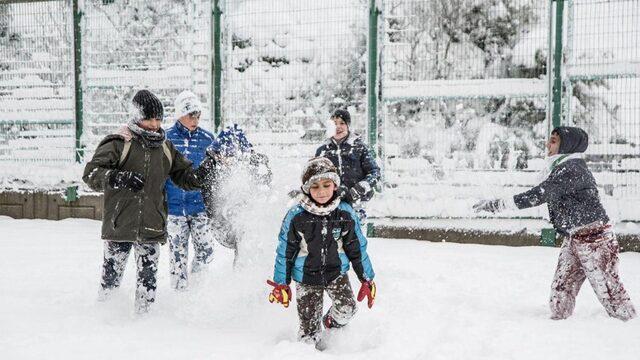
{"type": "Point", "coordinates": [36, 83]}
{"type": "Point", "coordinates": [465, 90]}
{"type": "Point", "coordinates": [163, 46]}
{"type": "Point", "coordinates": [464, 86]}
{"type": "Point", "coordinates": [602, 87]}
{"type": "Point", "coordinates": [288, 64]}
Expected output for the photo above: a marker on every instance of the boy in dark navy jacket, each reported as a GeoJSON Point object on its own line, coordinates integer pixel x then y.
{"type": "Point", "coordinates": [319, 237]}
{"type": "Point", "coordinates": [359, 173]}
{"type": "Point", "coordinates": [187, 214]}
{"type": "Point", "coordinates": [589, 249]}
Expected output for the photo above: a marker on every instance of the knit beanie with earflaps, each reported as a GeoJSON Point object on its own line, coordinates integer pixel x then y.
{"type": "Point", "coordinates": [319, 168]}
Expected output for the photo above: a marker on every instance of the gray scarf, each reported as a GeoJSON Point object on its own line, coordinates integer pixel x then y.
{"type": "Point", "coordinates": [150, 139]}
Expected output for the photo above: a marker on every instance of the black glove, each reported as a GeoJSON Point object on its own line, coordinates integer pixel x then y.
{"type": "Point", "coordinates": [210, 153]}
{"type": "Point", "coordinates": [492, 206]}
{"type": "Point", "coordinates": [344, 193]}
{"type": "Point", "coordinates": [205, 169]}
{"type": "Point", "coordinates": [360, 190]}
{"type": "Point", "coordinates": [126, 180]}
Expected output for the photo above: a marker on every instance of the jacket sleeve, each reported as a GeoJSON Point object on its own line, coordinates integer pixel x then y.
{"type": "Point", "coordinates": [370, 167]}
{"type": "Point", "coordinates": [287, 251]}
{"type": "Point", "coordinates": [181, 173]}
{"type": "Point", "coordinates": [560, 182]}
{"type": "Point", "coordinates": [355, 247]}
{"type": "Point", "coordinates": [104, 160]}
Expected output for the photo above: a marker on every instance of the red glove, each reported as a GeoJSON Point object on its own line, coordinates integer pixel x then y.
{"type": "Point", "coordinates": [367, 289]}
{"type": "Point", "coordinates": [280, 293]}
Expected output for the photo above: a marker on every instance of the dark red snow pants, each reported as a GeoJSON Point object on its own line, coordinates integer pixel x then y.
{"type": "Point", "coordinates": [590, 252]}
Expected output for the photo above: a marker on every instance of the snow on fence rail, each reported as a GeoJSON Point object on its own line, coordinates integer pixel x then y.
{"type": "Point", "coordinates": [468, 88]}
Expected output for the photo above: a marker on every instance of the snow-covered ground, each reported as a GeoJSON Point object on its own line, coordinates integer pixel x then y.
{"type": "Point", "coordinates": [435, 301]}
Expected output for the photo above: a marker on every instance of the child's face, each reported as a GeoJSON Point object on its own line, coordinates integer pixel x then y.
{"type": "Point", "coordinates": [553, 145]}
{"type": "Point", "coordinates": [342, 129]}
{"type": "Point", "coordinates": [151, 124]}
{"type": "Point", "coordinates": [322, 191]}
{"type": "Point", "coordinates": [190, 121]}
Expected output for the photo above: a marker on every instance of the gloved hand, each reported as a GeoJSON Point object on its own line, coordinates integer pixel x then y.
{"type": "Point", "coordinates": [280, 293]}
{"type": "Point", "coordinates": [492, 206]}
{"type": "Point", "coordinates": [126, 180]}
{"type": "Point", "coordinates": [205, 169]}
{"type": "Point", "coordinates": [358, 191]}
{"type": "Point", "coordinates": [368, 289]}
{"type": "Point", "coordinates": [362, 188]}
{"type": "Point", "coordinates": [343, 193]}
{"type": "Point", "coordinates": [211, 153]}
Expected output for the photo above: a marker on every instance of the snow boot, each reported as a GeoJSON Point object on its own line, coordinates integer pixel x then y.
{"type": "Point", "coordinates": [330, 323]}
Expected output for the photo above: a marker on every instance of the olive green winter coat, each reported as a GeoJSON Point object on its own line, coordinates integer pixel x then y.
{"type": "Point", "coordinates": [140, 216]}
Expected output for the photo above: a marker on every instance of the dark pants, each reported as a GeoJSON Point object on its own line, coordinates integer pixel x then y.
{"type": "Point", "coordinates": [115, 260]}
{"type": "Point", "coordinates": [309, 300]}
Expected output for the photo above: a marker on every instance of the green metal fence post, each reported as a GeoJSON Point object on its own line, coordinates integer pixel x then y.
{"type": "Point", "coordinates": [372, 78]}
{"type": "Point", "coordinates": [557, 65]}
{"type": "Point", "coordinates": [217, 66]}
{"type": "Point", "coordinates": [77, 73]}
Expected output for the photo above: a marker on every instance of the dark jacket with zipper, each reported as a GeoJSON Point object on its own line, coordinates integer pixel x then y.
{"type": "Point", "coordinates": [139, 216]}
{"type": "Point", "coordinates": [570, 191]}
{"type": "Point", "coordinates": [353, 160]}
{"type": "Point", "coordinates": [315, 249]}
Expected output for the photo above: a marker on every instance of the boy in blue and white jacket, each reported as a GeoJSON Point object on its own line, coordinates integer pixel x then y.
{"type": "Point", "coordinates": [319, 237]}
{"type": "Point", "coordinates": [187, 214]}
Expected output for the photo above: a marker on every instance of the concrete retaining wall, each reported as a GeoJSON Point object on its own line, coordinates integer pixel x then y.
{"type": "Point", "coordinates": [49, 205]}
{"type": "Point", "coordinates": [462, 236]}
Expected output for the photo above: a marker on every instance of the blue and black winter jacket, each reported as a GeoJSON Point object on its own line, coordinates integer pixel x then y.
{"type": "Point", "coordinates": [316, 249]}
{"type": "Point", "coordinates": [570, 191]}
{"type": "Point", "coordinates": [353, 160]}
{"type": "Point", "coordinates": [192, 144]}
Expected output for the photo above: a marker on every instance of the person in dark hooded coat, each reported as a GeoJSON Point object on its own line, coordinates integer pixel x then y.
{"type": "Point", "coordinates": [589, 249]}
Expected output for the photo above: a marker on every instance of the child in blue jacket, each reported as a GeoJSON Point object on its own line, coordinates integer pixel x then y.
{"type": "Point", "coordinates": [319, 237]}
{"type": "Point", "coordinates": [187, 214]}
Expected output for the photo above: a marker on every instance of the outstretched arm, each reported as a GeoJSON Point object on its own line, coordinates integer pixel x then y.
{"type": "Point", "coordinates": [559, 183]}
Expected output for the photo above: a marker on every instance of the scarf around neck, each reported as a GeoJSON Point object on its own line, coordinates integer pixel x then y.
{"type": "Point", "coordinates": [313, 207]}
{"type": "Point", "coordinates": [150, 139]}
{"type": "Point", "coordinates": [553, 161]}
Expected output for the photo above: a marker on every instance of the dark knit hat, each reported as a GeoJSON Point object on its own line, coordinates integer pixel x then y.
{"type": "Point", "coordinates": [148, 106]}
{"type": "Point", "coordinates": [342, 114]}
{"type": "Point", "coordinates": [319, 168]}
